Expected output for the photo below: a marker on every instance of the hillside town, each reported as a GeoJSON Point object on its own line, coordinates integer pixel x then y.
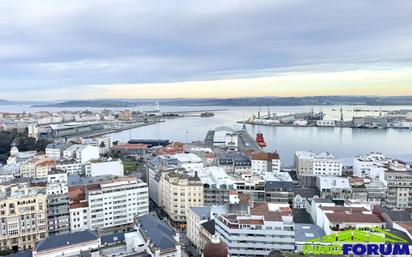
{"type": "Point", "coordinates": [223, 196]}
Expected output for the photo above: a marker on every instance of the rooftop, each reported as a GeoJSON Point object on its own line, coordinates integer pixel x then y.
{"type": "Point", "coordinates": [350, 214]}
{"type": "Point", "coordinates": [58, 241]}
{"type": "Point", "coordinates": [158, 231]}
{"type": "Point", "coordinates": [209, 226]}
{"type": "Point", "coordinates": [312, 155]}
{"type": "Point", "coordinates": [202, 212]}
{"type": "Point", "coordinates": [305, 232]}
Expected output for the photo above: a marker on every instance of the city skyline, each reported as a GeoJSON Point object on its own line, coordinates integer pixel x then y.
{"type": "Point", "coordinates": [215, 49]}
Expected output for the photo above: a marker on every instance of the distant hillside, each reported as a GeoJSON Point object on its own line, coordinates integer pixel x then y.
{"type": "Point", "coordinates": [249, 101]}
{"type": "Point", "coordinates": [5, 102]}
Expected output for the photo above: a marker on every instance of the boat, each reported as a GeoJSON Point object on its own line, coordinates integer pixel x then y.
{"type": "Point", "coordinates": [207, 114]}
{"type": "Point", "coordinates": [260, 140]}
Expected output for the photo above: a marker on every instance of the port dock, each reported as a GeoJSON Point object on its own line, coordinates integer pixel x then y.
{"type": "Point", "coordinates": [389, 120]}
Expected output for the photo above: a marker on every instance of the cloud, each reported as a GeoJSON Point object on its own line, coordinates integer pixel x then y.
{"type": "Point", "coordinates": [46, 45]}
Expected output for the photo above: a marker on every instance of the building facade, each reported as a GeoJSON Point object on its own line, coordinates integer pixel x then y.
{"type": "Point", "coordinates": [313, 164]}
{"type": "Point", "coordinates": [58, 214]}
{"type": "Point", "coordinates": [178, 193]}
{"type": "Point", "coordinates": [23, 216]}
{"type": "Point", "coordinates": [265, 228]}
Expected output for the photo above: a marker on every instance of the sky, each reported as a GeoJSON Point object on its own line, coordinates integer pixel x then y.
{"type": "Point", "coordinates": [159, 48]}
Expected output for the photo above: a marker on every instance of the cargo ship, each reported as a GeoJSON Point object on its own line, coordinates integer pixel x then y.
{"type": "Point", "coordinates": [260, 140]}
{"type": "Point", "coordinates": [207, 114]}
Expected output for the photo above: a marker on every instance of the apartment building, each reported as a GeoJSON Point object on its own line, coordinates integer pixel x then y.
{"type": "Point", "coordinates": [263, 228]}
{"type": "Point", "coordinates": [216, 185]}
{"type": "Point", "coordinates": [104, 168]}
{"type": "Point", "coordinates": [54, 151]}
{"type": "Point", "coordinates": [78, 209]}
{"type": "Point", "coordinates": [155, 166]}
{"type": "Point", "coordinates": [179, 192]}
{"type": "Point", "coordinates": [81, 153]}
{"type": "Point", "coordinates": [70, 167]}
{"type": "Point", "coordinates": [37, 167]}
{"type": "Point", "coordinates": [57, 203]}
{"type": "Point", "coordinates": [196, 217]}
{"type": "Point", "coordinates": [23, 216]}
{"type": "Point", "coordinates": [334, 187]}
{"type": "Point", "coordinates": [337, 218]}
{"type": "Point", "coordinates": [234, 162]}
{"type": "Point", "coordinates": [371, 165]}
{"type": "Point", "coordinates": [399, 182]}
{"type": "Point", "coordinates": [314, 164]}
{"type": "Point", "coordinates": [264, 162]}
{"type": "Point", "coordinates": [369, 190]}
{"type": "Point", "coordinates": [109, 204]}
{"type": "Point", "coordinates": [104, 143]}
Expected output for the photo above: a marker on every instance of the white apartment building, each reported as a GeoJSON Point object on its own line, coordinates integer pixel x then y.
{"type": "Point", "coordinates": [54, 151]}
{"type": "Point", "coordinates": [264, 228]}
{"type": "Point", "coordinates": [103, 168]}
{"type": "Point", "coordinates": [81, 153]}
{"type": "Point", "coordinates": [9, 172]}
{"type": "Point", "coordinates": [371, 166]}
{"type": "Point", "coordinates": [314, 164]}
{"type": "Point", "coordinates": [117, 202]}
{"type": "Point", "coordinates": [333, 187]}
{"type": "Point", "coordinates": [104, 143]}
{"type": "Point", "coordinates": [57, 182]}
{"type": "Point", "coordinates": [70, 167]}
{"type": "Point", "coordinates": [79, 217]}
{"type": "Point", "coordinates": [265, 162]}
{"type": "Point", "coordinates": [108, 204]}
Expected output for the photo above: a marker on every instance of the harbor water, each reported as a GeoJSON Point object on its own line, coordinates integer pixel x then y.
{"type": "Point", "coordinates": [341, 142]}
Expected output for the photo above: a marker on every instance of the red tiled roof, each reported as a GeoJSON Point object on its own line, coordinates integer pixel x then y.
{"type": "Point", "coordinates": [78, 205]}
{"type": "Point", "coordinates": [262, 209]}
{"type": "Point", "coordinates": [355, 217]}
{"type": "Point", "coordinates": [251, 222]}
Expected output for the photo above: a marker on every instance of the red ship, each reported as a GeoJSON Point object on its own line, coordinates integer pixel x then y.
{"type": "Point", "coordinates": [260, 140]}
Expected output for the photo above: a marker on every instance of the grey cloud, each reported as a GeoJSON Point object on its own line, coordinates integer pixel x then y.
{"type": "Point", "coordinates": [46, 44]}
